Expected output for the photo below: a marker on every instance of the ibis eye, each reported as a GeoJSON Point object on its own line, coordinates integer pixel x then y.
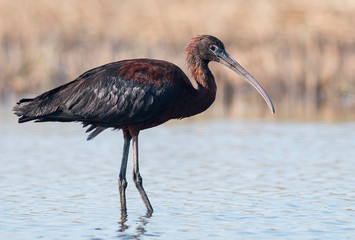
{"type": "Point", "coordinates": [213, 48]}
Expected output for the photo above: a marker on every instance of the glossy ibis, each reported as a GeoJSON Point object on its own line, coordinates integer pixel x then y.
{"type": "Point", "coordinates": [136, 94]}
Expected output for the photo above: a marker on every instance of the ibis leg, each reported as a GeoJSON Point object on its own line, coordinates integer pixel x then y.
{"type": "Point", "coordinates": [122, 183]}
{"type": "Point", "coordinates": [137, 177]}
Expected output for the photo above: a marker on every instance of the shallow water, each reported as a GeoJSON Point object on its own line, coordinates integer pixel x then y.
{"type": "Point", "coordinates": [217, 179]}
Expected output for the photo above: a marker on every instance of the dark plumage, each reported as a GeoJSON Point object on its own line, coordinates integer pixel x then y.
{"type": "Point", "coordinates": [113, 95]}
{"type": "Point", "coordinates": [133, 95]}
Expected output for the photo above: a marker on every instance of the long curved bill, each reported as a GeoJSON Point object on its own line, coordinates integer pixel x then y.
{"type": "Point", "coordinates": [228, 61]}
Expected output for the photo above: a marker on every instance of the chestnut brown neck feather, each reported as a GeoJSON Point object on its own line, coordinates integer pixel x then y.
{"type": "Point", "coordinates": [206, 85]}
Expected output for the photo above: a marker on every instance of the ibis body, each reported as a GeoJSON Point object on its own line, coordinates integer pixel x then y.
{"type": "Point", "coordinates": [133, 95]}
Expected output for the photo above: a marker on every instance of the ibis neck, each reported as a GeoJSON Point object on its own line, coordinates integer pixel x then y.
{"type": "Point", "coordinates": [206, 87]}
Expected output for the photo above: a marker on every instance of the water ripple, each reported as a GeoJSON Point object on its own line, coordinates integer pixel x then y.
{"type": "Point", "coordinates": [210, 180]}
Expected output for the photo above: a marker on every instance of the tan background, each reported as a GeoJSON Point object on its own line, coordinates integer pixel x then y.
{"type": "Point", "coordinates": [302, 52]}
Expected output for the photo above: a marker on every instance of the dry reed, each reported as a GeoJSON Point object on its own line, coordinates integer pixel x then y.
{"type": "Point", "coordinates": [302, 52]}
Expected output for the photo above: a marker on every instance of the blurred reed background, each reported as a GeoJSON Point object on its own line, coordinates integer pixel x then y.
{"type": "Point", "coordinates": [302, 52]}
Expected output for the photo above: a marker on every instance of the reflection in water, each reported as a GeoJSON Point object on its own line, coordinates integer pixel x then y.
{"type": "Point", "coordinates": [140, 229]}
{"type": "Point", "coordinates": [122, 224]}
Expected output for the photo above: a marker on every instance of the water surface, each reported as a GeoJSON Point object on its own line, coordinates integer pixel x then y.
{"type": "Point", "coordinates": [217, 179]}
